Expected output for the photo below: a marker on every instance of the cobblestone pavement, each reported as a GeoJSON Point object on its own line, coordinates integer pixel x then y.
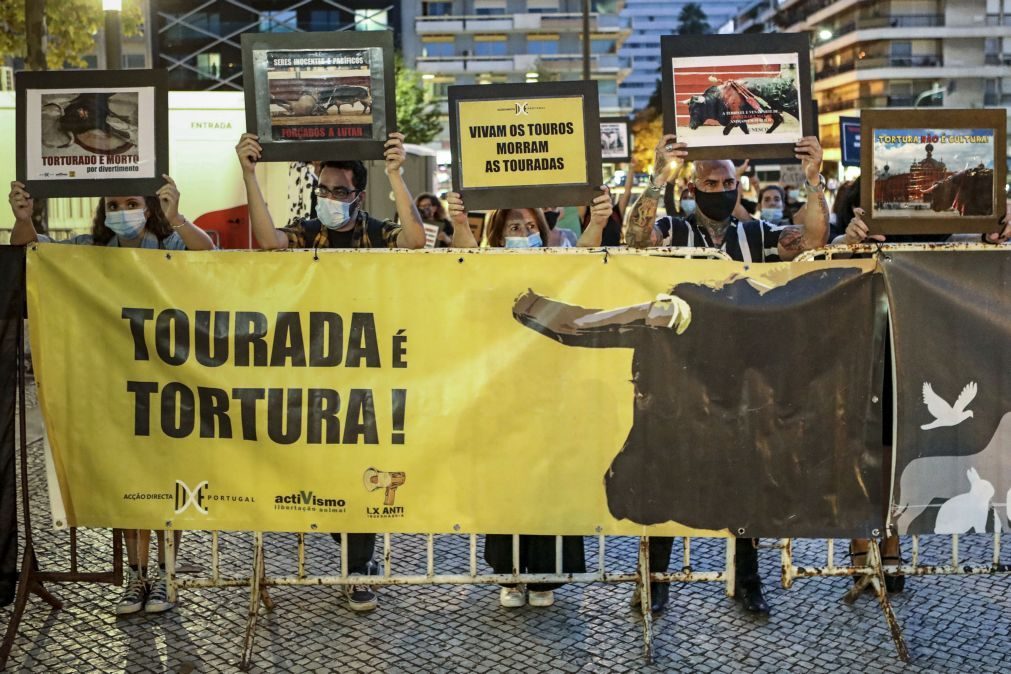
{"type": "Point", "coordinates": [951, 624]}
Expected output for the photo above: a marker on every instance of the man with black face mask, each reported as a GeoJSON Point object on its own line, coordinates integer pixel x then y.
{"type": "Point", "coordinates": [340, 221]}
{"type": "Point", "coordinates": [713, 225]}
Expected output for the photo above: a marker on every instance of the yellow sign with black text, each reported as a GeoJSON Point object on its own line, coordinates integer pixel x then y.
{"type": "Point", "coordinates": [377, 391]}
{"type": "Point", "coordinates": [514, 143]}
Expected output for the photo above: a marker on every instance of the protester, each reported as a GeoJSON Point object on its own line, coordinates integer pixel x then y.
{"type": "Point", "coordinates": [713, 226]}
{"type": "Point", "coordinates": [772, 202]}
{"type": "Point", "coordinates": [527, 228]}
{"type": "Point", "coordinates": [341, 222]}
{"type": "Point", "coordinates": [433, 215]}
{"type": "Point", "coordinates": [128, 222]}
{"type": "Point", "coordinates": [558, 237]}
{"type": "Point", "coordinates": [613, 228]}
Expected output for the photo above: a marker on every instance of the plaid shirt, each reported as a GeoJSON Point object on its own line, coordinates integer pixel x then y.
{"type": "Point", "coordinates": [368, 232]}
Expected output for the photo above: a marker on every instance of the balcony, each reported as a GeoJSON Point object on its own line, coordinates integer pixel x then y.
{"type": "Point", "coordinates": [519, 23]}
{"type": "Point", "coordinates": [916, 61]}
{"type": "Point", "coordinates": [997, 59]}
{"type": "Point", "coordinates": [599, 63]}
{"type": "Point", "coordinates": [900, 21]}
{"type": "Point", "coordinates": [998, 20]}
{"type": "Point", "coordinates": [876, 102]}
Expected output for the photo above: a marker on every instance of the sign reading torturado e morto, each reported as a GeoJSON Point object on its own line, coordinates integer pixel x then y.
{"type": "Point", "coordinates": [525, 145]}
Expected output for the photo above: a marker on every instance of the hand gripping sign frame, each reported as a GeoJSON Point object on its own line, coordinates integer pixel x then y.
{"type": "Point", "coordinates": [516, 103]}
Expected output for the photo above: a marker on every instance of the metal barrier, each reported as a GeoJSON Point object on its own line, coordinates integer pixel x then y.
{"type": "Point", "coordinates": [258, 581]}
{"type": "Point", "coordinates": [831, 251]}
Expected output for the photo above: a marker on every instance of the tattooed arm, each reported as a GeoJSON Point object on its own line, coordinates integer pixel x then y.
{"type": "Point", "coordinates": [640, 221]}
{"type": "Point", "coordinates": [814, 232]}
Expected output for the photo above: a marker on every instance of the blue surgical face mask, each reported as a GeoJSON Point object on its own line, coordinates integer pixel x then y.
{"type": "Point", "coordinates": [127, 224]}
{"type": "Point", "coordinates": [532, 241]}
{"type": "Point", "coordinates": [793, 194]}
{"type": "Point", "coordinates": [687, 206]}
{"type": "Point", "coordinates": [334, 214]}
{"type": "Point", "coordinates": [772, 214]}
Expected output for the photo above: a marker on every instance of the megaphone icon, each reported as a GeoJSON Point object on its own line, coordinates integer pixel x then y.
{"type": "Point", "coordinates": [378, 479]}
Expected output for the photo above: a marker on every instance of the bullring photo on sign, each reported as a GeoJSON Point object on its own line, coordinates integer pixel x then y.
{"type": "Point", "coordinates": [729, 97]}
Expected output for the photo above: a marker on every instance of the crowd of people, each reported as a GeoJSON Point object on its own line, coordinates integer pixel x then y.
{"type": "Point", "coordinates": [703, 207]}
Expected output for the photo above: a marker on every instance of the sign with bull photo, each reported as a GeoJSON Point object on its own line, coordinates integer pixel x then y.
{"type": "Point", "coordinates": [92, 133]}
{"type": "Point", "coordinates": [615, 139]}
{"type": "Point", "coordinates": [320, 95]}
{"type": "Point", "coordinates": [951, 326]}
{"type": "Point", "coordinates": [730, 97]}
{"type": "Point", "coordinates": [525, 145]}
{"type": "Point", "coordinates": [934, 171]}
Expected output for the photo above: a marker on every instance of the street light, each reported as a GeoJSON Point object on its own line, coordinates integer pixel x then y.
{"type": "Point", "coordinates": [113, 36]}
{"type": "Point", "coordinates": [825, 35]}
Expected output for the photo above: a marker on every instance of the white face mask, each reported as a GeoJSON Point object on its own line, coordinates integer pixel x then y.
{"type": "Point", "coordinates": [334, 214]}
{"type": "Point", "coordinates": [687, 206]}
{"type": "Point", "coordinates": [126, 224]}
{"type": "Point", "coordinates": [532, 241]}
{"type": "Point", "coordinates": [794, 194]}
{"type": "Point", "coordinates": [772, 214]}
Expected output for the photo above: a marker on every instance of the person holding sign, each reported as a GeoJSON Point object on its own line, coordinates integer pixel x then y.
{"type": "Point", "coordinates": [128, 222]}
{"type": "Point", "coordinates": [713, 225]}
{"type": "Point", "coordinates": [340, 221]}
{"type": "Point", "coordinates": [438, 229]}
{"type": "Point", "coordinates": [527, 228]}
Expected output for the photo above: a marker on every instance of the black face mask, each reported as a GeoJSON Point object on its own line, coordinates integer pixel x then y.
{"type": "Point", "coordinates": [717, 206]}
{"type": "Point", "coordinates": [552, 218]}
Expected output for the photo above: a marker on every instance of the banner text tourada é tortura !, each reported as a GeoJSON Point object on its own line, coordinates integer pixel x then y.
{"type": "Point", "coordinates": [487, 393]}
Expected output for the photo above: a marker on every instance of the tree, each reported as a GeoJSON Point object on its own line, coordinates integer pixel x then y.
{"type": "Point", "coordinates": [693, 20]}
{"type": "Point", "coordinates": [68, 31]}
{"type": "Point", "coordinates": [418, 118]}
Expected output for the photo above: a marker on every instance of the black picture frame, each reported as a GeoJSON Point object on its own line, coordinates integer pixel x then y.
{"type": "Point", "coordinates": [932, 119]}
{"type": "Point", "coordinates": [82, 81]}
{"type": "Point", "coordinates": [613, 158]}
{"type": "Point", "coordinates": [529, 196]}
{"type": "Point", "coordinates": [255, 47]}
{"type": "Point", "coordinates": [724, 146]}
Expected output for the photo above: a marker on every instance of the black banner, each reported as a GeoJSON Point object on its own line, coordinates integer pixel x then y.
{"type": "Point", "coordinates": [762, 415]}
{"type": "Point", "coordinates": [951, 321]}
{"type": "Point", "coordinates": [12, 298]}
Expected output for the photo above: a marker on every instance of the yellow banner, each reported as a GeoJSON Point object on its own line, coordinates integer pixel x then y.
{"type": "Point", "coordinates": [360, 392]}
{"type": "Point", "coordinates": [512, 143]}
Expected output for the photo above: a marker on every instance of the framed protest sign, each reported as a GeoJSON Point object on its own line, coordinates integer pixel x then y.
{"type": "Point", "coordinates": [933, 171]}
{"type": "Point", "coordinates": [326, 96]}
{"type": "Point", "coordinates": [615, 139]}
{"type": "Point", "coordinates": [737, 96]}
{"type": "Point", "coordinates": [849, 140]}
{"type": "Point", "coordinates": [88, 133]}
{"type": "Point", "coordinates": [525, 145]}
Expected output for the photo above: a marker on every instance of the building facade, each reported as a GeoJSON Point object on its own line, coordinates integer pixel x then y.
{"type": "Point", "coordinates": [647, 21]}
{"type": "Point", "coordinates": [896, 53]}
{"type": "Point", "coordinates": [498, 41]}
{"type": "Point", "coordinates": [199, 43]}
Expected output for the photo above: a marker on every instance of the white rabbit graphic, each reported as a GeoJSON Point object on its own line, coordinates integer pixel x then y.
{"type": "Point", "coordinates": [966, 511]}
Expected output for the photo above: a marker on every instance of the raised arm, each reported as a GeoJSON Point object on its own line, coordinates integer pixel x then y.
{"type": "Point", "coordinates": [600, 212]}
{"type": "Point", "coordinates": [194, 237]}
{"type": "Point", "coordinates": [249, 152]}
{"type": "Point", "coordinates": [640, 222]}
{"type": "Point", "coordinates": [412, 233]}
{"type": "Point", "coordinates": [795, 239]}
{"type": "Point", "coordinates": [462, 236]}
{"type": "Point", "coordinates": [21, 202]}
{"type": "Point", "coordinates": [626, 195]}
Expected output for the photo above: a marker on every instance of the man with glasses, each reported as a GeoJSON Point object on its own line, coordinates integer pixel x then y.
{"type": "Point", "coordinates": [714, 225]}
{"type": "Point", "coordinates": [340, 221]}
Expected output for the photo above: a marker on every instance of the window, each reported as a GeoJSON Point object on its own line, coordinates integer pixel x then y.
{"type": "Point", "coordinates": [902, 49]}
{"type": "Point", "coordinates": [438, 49]}
{"type": "Point", "coordinates": [133, 61]}
{"type": "Point", "coordinates": [542, 6]}
{"type": "Point", "coordinates": [372, 19]}
{"type": "Point", "coordinates": [437, 9]}
{"type": "Point", "coordinates": [599, 46]}
{"type": "Point", "coordinates": [489, 7]}
{"type": "Point", "coordinates": [539, 44]}
{"type": "Point", "coordinates": [324, 19]}
{"type": "Point", "coordinates": [209, 65]}
{"type": "Point", "coordinates": [496, 48]}
{"type": "Point", "coordinates": [279, 22]}
{"type": "Point", "coordinates": [440, 90]}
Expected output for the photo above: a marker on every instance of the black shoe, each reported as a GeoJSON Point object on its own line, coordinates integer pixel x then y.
{"type": "Point", "coordinates": [659, 593]}
{"type": "Point", "coordinates": [752, 600]}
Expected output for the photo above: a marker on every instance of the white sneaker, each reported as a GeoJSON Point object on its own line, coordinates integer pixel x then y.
{"type": "Point", "coordinates": [132, 599]}
{"type": "Point", "coordinates": [512, 597]}
{"type": "Point", "coordinates": [157, 595]}
{"type": "Point", "coordinates": [541, 599]}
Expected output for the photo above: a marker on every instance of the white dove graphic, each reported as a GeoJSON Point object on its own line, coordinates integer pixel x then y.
{"type": "Point", "coordinates": [945, 414]}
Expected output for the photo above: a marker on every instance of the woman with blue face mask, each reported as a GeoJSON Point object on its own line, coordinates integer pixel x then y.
{"type": "Point", "coordinates": [128, 222]}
